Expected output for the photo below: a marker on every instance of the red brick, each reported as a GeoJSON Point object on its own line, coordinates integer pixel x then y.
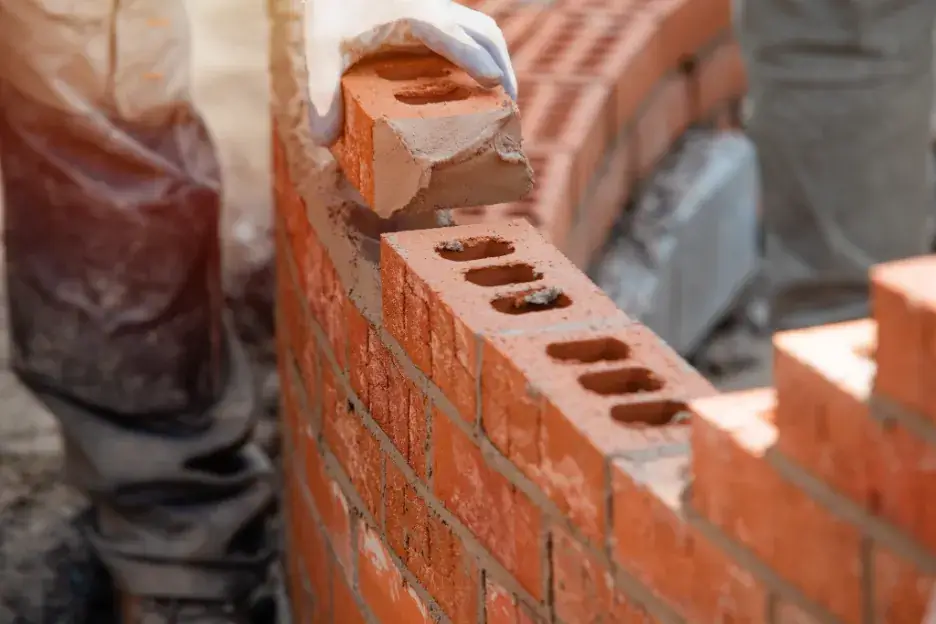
{"type": "Point", "coordinates": [295, 323]}
{"type": "Point", "coordinates": [598, 6]}
{"type": "Point", "coordinates": [333, 313]}
{"type": "Point", "coordinates": [568, 116]}
{"type": "Point", "coordinates": [300, 601]}
{"type": "Point", "coordinates": [345, 610]}
{"type": "Point", "coordinates": [517, 20]}
{"type": "Point", "coordinates": [550, 207]}
{"type": "Point", "coordinates": [902, 592]}
{"type": "Point", "coordinates": [558, 403]}
{"type": "Point", "coordinates": [597, 215]}
{"type": "Point", "coordinates": [356, 448]}
{"type": "Point", "coordinates": [503, 519]}
{"type": "Point", "coordinates": [904, 304]}
{"type": "Point", "coordinates": [789, 613]}
{"type": "Point", "coordinates": [619, 50]}
{"type": "Point", "coordinates": [661, 123]}
{"type": "Point", "coordinates": [358, 330]}
{"type": "Point", "coordinates": [387, 594]}
{"type": "Point", "coordinates": [330, 503]}
{"type": "Point", "coordinates": [583, 587]}
{"type": "Point", "coordinates": [502, 607]}
{"type": "Point", "coordinates": [489, 298]}
{"type": "Point", "coordinates": [686, 27]}
{"type": "Point", "coordinates": [824, 378]}
{"type": "Point", "coordinates": [291, 417]}
{"type": "Point", "coordinates": [718, 78]}
{"type": "Point", "coordinates": [739, 491]}
{"type": "Point", "coordinates": [404, 114]}
{"type": "Point", "coordinates": [313, 552]}
{"type": "Point", "coordinates": [429, 548]}
{"type": "Point", "coordinates": [653, 541]}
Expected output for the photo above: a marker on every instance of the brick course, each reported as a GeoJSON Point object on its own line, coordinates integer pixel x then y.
{"type": "Point", "coordinates": [474, 433]}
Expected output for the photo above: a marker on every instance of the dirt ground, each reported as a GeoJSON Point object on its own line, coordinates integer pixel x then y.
{"type": "Point", "coordinates": [46, 575]}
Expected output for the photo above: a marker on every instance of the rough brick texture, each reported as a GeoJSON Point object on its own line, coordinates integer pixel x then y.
{"type": "Point", "coordinates": [474, 433]}
{"type": "Point", "coordinates": [419, 133]}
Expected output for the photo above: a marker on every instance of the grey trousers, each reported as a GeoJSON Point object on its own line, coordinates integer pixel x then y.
{"type": "Point", "coordinates": [841, 94]}
{"type": "Point", "coordinates": [112, 209]}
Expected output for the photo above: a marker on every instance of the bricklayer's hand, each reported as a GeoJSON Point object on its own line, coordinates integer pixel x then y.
{"type": "Point", "coordinates": [340, 33]}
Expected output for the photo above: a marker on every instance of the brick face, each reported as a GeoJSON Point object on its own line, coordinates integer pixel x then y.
{"type": "Point", "coordinates": [474, 433]}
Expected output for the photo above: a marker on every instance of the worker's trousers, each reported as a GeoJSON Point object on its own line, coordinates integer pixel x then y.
{"type": "Point", "coordinates": [113, 274]}
{"type": "Point", "coordinates": [841, 93]}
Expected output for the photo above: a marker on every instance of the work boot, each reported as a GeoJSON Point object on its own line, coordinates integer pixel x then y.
{"type": "Point", "coordinates": [167, 611]}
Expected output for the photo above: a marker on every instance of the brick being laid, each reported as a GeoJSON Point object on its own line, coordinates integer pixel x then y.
{"type": "Point", "coordinates": [419, 132]}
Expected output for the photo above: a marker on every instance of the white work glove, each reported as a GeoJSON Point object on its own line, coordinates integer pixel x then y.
{"type": "Point", "coordinates": [339, 33]}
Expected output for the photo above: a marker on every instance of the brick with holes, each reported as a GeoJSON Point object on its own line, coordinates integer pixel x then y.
{"type": "Point", "coordinates": [550, 207]}
{"type": "Point", "coordinates": [479, 280]}
{"type": "Point", "coordinates": [828, 424]}
{"type": "Point", "coordinates": [618, 50]}
{"type": "Point", "coordinates": [518, 20]}
{"type": "Point", "coordinates": [558, 404]}
{"type": "Point", "coordinates": [419, 133]}
{"type": "Point", "coordinates": [569, 117]}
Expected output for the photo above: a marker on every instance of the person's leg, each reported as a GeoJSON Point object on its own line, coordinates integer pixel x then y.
{"type": "Point", "coordinates": [841, 96]}
{"type": "Point", "coordinates": [111, 233]}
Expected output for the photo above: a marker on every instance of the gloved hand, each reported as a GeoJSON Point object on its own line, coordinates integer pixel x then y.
{"type": "Point", "coordinates": [339, 33]}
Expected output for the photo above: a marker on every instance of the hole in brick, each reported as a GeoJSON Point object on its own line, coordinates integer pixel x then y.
{"type": "Point", "coordinates": [412, 70]}
{"type": "Point", "coordinates": [474, 249]}
{"type": "Point", "coordinates": [589, 351]}
{"type": "Point", "coordinates": [652, 414]}
{"type": "Point", "coordinates": [532, 301]}
{"type": "Point", "coordinates": [503, 275]}
{"type": "Point", "coordinates": [621, 381]}
{"type": "Point", "coordinates": [474, 211]}
{"type": "Point", "coordinates": [436, 93]}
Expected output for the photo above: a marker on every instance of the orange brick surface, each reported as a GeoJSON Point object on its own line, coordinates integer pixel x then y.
{"type": "Point", "coordinates": [411, 137]}
{"type": "Point", "coordinates": [904, 306]}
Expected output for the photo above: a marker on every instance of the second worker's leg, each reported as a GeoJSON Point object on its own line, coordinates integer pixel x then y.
{"type": "Point", "coordinates": [841, 95]}
{"type": "Point", "coordinates": [112, 212]}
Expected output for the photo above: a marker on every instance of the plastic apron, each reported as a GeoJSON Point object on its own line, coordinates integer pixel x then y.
{"type": "Point", "coordinates": [111, 230]}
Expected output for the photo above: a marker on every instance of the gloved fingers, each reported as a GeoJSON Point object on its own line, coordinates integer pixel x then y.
{"type": "Point", "coordinates": [326, 110]}
{"type": "Point", "coordinates": [485, 31]}
{"type": "Point", "coordinates": [453, 43]}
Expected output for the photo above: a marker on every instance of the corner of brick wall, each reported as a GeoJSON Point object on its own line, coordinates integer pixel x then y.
{"type": "Point", "coordinates": [495, 442]}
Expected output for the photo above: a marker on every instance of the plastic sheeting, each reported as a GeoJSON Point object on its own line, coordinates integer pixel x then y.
{"type": "Point", "coordinates": [112, 206]}
{"type": "Point", "coordinates": [841, 95]}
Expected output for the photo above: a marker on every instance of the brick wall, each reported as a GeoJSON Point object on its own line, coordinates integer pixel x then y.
{"type": "Point", "coordinates": [606, 87]}
{"type": "Point", "coordinates": [474, 433]}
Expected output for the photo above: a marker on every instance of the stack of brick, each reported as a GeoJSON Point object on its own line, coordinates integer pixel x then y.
{"type": "Point", "coordinates": [606, 88]}
{"type": "Point", "coordinates": [503, 445]}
